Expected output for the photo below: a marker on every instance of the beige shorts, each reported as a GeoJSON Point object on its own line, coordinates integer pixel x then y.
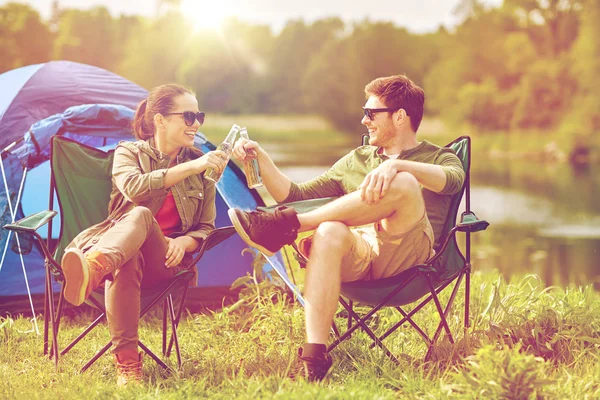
{"type": "Point", "coordinates": [377, 254]}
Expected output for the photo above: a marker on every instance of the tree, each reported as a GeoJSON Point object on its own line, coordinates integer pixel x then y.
{"type": "Point", "coordinates": [291, 55]}
{"type": "Point", "coordinates": [87, 37]}
{"type": "Point", "coordinates": [24, 38]}
{"type": "Point", "coordinates": [585, 61]}
{"type": "Point", "coordinates": [551, 24]}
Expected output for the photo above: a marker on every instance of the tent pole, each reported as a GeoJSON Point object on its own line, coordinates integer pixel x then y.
{"type": "Point", "coordinates": [7, 149]}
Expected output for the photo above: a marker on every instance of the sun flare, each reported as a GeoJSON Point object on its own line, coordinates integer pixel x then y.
{"type": "Point", "coordinates": [204, 14]}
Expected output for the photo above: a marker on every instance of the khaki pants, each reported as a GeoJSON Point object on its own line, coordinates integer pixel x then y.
{"type": "Point", "coordinates": [376, 254]}
{"type": "Point", "coordinates": [135, 248]}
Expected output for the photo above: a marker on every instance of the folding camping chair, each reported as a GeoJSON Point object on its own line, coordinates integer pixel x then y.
{"type": "Point", "coordinates": [430, 278]}
{"type": "Point", "coordinates": [81, 180]}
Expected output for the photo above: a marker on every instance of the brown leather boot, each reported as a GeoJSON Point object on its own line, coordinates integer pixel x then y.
{"type": "Point", "coordinates": [129, 367]}
{"type": "Point", "coordinates": [83, 273]}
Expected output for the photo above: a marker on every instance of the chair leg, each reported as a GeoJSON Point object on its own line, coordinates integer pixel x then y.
{"type": "Point", "coordinates": [436, 300]}
{"type": "Point", "coordinates": [153, 356]}
{"type": "Point", "coordinates": [58, 317]}
{"type": "Point", "coordinates": [408, 318]}
{"type": "Point", "coordinates": [174, 329]}
{"type": "Point", "coordinates": [443, 316]}
{"type": "Point", "coordinates": [349, 323]}
{"type": "Point", "coordinates": [335, 329]}
{"type": "Point", "coordinates": [178, 317]}
{"type": "Point", "coordinates": [360, 322]}
{"type": "Point", "coordinates": [164, 328]}
{"type": "Point", "coordinates": [82, 334]}
{"type": "Point", "coordinates": [96, 357]}
{"type": "Point", "coordinates": [54, 327]}
{"type": "Point", "coordinates": [467, 304]}
{"type": "Point", "coordinates": [46, 311]}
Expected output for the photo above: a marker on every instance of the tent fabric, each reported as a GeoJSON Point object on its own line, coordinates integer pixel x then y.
{"type": "Point", "coordinates": [33, 93]}
{"type": "Point", "coordinates": [101, 123]}
{"type": "Point", "coordinates": [12, 81]}
{"type": "Point", "coordinates": [91, 124]}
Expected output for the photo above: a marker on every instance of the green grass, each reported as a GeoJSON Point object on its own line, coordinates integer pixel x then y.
{"type": "Point", "coordinates": [526, 342]}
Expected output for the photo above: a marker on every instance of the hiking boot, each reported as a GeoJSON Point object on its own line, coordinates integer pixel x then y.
{"type": "Point", "coordinates": [311, 368]}
{"type": "Point", "coordinates": [265, 231]}
{"type": "Point", "coordinates": [83, 273]}
{"type": "Point", "coordinates": [129, 367]}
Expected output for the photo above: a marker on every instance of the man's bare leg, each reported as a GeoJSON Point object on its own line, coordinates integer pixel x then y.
{"type": "Point", "coordinates": [400, 209]}
{"type": "Point", "coordinates": [331, 241]}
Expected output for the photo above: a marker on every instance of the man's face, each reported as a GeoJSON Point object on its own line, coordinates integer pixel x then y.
{"type": "Point", "coordinates": [381, 128]}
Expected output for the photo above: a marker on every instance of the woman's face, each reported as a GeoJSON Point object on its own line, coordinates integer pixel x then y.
{"type": "Point", "coordinates": [177, 133]}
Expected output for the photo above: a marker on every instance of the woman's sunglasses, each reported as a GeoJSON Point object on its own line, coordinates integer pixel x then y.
{"type": "Point", "coordinates": [189, 117]}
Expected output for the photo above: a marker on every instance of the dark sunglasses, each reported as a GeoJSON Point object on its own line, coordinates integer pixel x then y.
{"type": "Point", "coordinates": [369, 112]}
{"type": "Point", "coordinates": [189, 117]}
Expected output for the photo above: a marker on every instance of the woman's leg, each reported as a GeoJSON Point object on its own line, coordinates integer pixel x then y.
{"type": "Point", "coordinates": [144, 254]}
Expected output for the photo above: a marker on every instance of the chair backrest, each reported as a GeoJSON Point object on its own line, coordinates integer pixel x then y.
{"type": "Point", "coordinates": [452, 260]}
{"type": "Point", "coordinates": [81, 177]}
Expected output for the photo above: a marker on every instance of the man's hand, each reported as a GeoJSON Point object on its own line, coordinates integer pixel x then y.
{"type": "Point", "coordinates": [244, 147]}
{"type": "Point", "coordinates": [175, 251]}
{"type": "Point", "coordinates": [377, 182]}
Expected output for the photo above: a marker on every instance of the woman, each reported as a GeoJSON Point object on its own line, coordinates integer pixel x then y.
{"type": "Point", "coordinates": [160, 209]}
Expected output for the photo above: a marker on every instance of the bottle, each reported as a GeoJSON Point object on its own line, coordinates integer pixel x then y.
{"type": "Point", "coordinates": [251, 168]}
{"type": "Point", "coordinates": [227, 148]}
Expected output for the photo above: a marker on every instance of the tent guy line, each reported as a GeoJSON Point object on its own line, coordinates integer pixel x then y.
{"type": "Point", "coordinates": [13, 213]}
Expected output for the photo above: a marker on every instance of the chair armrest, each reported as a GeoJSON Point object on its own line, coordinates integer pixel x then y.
{"type": "Point", "coordinates": [31, 223]}
{"type": "Point", "coordinates": [215, 237]}
{"type": "Point", "coordinates": [301, 206]}
{"type": "Point", "coordinates": [470, 223]}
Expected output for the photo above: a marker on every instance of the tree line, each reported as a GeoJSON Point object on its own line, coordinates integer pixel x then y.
{"type": "Point", "coordinates": [527, 64]}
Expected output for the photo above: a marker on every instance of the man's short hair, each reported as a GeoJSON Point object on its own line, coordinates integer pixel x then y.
{"type": "Point", "coordinates": [398, 91]}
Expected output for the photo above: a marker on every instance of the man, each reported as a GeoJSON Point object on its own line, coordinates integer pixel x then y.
{"type": "Point", "coordinates": [398, 187]}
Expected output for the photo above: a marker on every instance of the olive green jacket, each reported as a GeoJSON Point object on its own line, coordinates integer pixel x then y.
{"type": "Point", "coordinates": [138, 174]}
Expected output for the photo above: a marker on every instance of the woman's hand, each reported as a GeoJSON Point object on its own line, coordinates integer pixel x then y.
{"type": "Point", "coordinates": [175, 251]}
{"type": "Point", "coordinates": [244, 148]}
{"type": "Point", "coordinates": [215, 159]}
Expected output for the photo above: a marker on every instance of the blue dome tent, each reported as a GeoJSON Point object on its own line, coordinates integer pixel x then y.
{"type": "Point", "coordinates": [95, 107]}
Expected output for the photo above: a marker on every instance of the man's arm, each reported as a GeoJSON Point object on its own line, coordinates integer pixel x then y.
{"type": "Point", "coordinates": [445, 176]}
{"type": "Point", "coordinates": [280, 186]}
{"type": "Point", "coordinates": [276, 183]}
{"type": "Point", "coordinates": [431, 176]}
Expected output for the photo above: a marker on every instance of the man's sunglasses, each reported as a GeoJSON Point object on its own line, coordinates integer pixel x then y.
{"type": "Point", "coordinates": [369, 112]}
{"type": "Point", "coordinates": [189, 117]}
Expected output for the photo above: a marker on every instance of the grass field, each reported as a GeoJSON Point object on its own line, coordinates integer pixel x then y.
{"type": "Point", "coordinates": [526, 342]}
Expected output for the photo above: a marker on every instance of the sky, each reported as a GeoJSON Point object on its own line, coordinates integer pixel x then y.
{"type": "Point", "coordinates": [418, 16]}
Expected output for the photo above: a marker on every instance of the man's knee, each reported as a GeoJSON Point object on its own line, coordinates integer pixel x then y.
{"type": "Point", "coordinates": [405, 185]}
{"type": "Point", "coordinates": [332, 235]}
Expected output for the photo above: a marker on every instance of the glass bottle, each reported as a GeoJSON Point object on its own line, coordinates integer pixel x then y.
{"type": "Point", "coordinates": [226, 147]}
{"type": "Point", "coordinates": [251, 168]}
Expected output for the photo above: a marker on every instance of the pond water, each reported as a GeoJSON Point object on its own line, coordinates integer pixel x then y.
{"type": "Point", "coordinates": [545, 218]}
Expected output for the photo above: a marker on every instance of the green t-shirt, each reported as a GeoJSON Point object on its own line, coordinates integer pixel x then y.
{"type": "Point", "coordinates": [349, 172]}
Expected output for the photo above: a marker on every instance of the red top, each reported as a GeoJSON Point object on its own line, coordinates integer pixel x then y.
{"type": "Point", "coordinates": [168, 217]}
